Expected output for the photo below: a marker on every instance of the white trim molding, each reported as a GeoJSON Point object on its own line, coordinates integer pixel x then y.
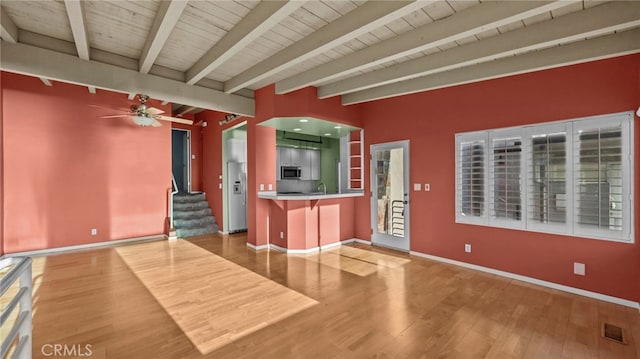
{"type": "Point", "coordinates": [540, 282]}
{"type": "Point", "coordinates": [45, 252]}
{"type": "Point", "coordinates": [257, 248]}
{"type": "Point", "coordinates": [308, 250]}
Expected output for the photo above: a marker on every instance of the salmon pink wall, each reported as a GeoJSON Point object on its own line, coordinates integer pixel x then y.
{"type": "Point", "coordinates": [261, 160]}
{"type": "Point", "coordinates": [309, 224]}
{"type": "Point", "coordinates": [261, 153]}
{"type": "Point", "coordinates": [68, 171]}
{"type": "Point", "coordinates": [303, 102]}
{"type": "Point", "coordinates": [429, 120]}
{"type": "Point", "coordinates": [196, 149]}
{"type": "Point", "coordinates": [212, 161]}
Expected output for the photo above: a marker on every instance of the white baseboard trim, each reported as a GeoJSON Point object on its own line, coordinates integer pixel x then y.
{"type": "Point", "coordinates": [305, 251]}
{"type": "Point", "coordinates": [45, 252]}
{"type": "Point", "coordinates": [362, 241]}
{"type": "Point", "coordinates": [540, 282]}
{"type": "Point", "coordinates": [293, 251]}
{"type": "Point", "coordinates": [222, 232]}
{"type": "Point", "coordinates": [333, 245]}
{"type": "Point", "coordinates": [257, 248]}
{"type": "Point", "coordinates": [277, 248]}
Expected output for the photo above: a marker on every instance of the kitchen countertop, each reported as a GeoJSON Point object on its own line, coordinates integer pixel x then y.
{"type": "Point", "coordinates": [307, 196]}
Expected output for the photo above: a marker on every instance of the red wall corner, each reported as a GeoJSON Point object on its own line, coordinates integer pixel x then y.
{"type": "Point", "coordinates": [67, 171]}
{"type": "Point", "coordinates": [430, 120]}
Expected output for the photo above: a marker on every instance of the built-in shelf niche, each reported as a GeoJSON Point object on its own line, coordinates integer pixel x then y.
{"type": "Point", "coordinates": [356, 164]}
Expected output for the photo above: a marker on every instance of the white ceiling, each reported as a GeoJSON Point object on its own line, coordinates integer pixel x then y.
{"type": "Point", "coordinates": [213, 54]}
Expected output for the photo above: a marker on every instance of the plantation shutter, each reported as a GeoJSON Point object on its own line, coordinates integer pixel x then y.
{"type": "Point", "coordinates": [505, 203]}
{"type": "Point", "coordinates": [601, 160]}
{"type": "Point", "coordinates": [470, 178]}
{"type": "Point", "coordinates": [548, 201]}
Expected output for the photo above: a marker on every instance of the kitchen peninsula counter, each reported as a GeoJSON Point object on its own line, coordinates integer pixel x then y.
{"type": "Point", "coordinates": [305, 222]}
{"type": "Point", "coordinates": [307, 196]}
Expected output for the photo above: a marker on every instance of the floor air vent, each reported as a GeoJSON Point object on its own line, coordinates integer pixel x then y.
{"type": "Point", "coordinates": [613, 332]}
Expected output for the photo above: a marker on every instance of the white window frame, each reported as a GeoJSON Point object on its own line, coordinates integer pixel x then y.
{"type": "Point", "coordinates": [571, 128]}
{"type": "Point", "coordinates": [609, 121]}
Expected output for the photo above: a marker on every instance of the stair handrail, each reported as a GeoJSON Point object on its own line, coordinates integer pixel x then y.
{"type": "Point", "coordinates": [22, 327]}
{"type": "Point", "coordinates": [174, 190]}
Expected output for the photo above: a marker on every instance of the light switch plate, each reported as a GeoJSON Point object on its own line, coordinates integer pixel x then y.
{"type": "Point", "coordinates": [262, 186]}
{"type": "Point", "coordinates": [427, 187]}
{"type": "Point", "coordinates": [417, 187]}
{"type": "Point", "coordinates": [220, 185]}
{"type": "Point", "coordinates": [193, 157]}
{"type": "Point", "coordinates": [578, 268]}
{"type": "Point", "coordinates": [270, 187]}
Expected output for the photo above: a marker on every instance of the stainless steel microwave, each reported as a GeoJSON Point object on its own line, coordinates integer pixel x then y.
{"type": "Point", "coordinates": [290, 172]}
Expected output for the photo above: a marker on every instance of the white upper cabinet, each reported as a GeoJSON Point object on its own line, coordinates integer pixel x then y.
{"type": "Point", "coordinates": [314, 164]}
{"type": "Point", "coordinates": [307, 160]}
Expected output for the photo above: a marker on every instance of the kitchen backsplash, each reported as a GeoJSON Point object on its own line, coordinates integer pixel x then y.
{"type": "Point", "coordinates": [296, 186]}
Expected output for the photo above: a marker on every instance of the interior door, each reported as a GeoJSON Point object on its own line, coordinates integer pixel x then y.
{"type": "Point", "coordinates": [390, 195]}
{"type": "Point", "coordinates": [180, 163]}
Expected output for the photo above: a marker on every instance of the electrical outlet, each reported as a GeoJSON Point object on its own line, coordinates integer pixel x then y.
{"type": "Point", "coordinates": [270, 187]}
{"type": "Point", "coordinates": [467, 248]}
{"type": "Point", "coordinates": [262, 186]}
{"type": "Point", "coordinates": [281, 235]}
{"type": "Point", "coordinates": [94, 231]}
{"type": "Point", "coordinates": [220, 185]}
{"type": "Point", "coordinates": [579, 268]}
{"type": "Point", "coordinates": [427, 187]}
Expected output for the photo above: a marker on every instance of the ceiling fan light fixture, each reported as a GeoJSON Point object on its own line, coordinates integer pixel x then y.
{"type": "Point", "coordinates": [143, 120]}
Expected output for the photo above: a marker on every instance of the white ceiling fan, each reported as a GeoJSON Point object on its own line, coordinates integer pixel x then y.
{"type": "Point", "coordinates": [144, 115]}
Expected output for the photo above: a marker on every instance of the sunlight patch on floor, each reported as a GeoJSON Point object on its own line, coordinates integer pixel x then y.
{"type": "Point", "coordinates": [356, 261]}
{"type": "Point", "coordinates": [214, 301]}
{"type": "Point", "coordinates": [371, 257]}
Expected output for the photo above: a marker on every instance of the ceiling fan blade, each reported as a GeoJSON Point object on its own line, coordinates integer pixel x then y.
{"type": "Point", "coordinates": [110, 108]}
{"type": "Point", "coordinates": [114, 116]}
{"type": "Point", "coordinates": [156, 124]}
{"type": "Point", "coordinates": [154, 111]}
{"type": "Point", "coordinates": [173, 119]}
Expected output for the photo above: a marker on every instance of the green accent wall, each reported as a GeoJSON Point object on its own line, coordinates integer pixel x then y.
{"type": "Point", "coordinates": [329, 156]}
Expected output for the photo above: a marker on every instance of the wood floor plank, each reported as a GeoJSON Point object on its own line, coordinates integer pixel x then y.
{"type": "Point", "coordinates": [157, 300]}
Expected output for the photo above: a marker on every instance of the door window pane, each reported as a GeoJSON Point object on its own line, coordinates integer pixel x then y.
{"type": "Point", "coordinates": [390, 191]}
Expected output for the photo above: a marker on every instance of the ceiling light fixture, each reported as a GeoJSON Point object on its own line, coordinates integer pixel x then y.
{"type": "Point", "coordinates": [337, 127]}
{"type": "Point", "coordinates": [304, 120]}
{"type": "Point", "coordinates": [297, 129]}
{"type": "Point", "coordinates": [327, 134]}
{"type": "Point", "coordinates": [228, 118]}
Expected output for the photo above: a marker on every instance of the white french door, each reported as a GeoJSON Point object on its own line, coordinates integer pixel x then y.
{"type": "Point", "coordinates": [390, 195]}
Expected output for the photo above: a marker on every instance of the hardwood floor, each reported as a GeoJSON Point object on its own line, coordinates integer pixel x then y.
{"type": "Point", "coordinates": [164, 300]}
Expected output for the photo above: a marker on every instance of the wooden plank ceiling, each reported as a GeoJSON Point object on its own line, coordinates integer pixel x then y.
{"type": "Point", "coordinates": [362, 50]}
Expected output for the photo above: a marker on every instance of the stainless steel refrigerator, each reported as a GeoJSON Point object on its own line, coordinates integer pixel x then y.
{"type": "Point", "coordinates": [237, 196]}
